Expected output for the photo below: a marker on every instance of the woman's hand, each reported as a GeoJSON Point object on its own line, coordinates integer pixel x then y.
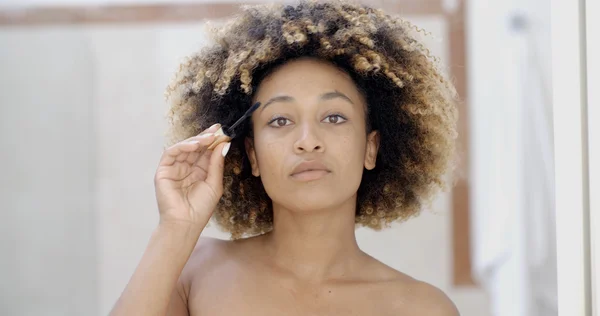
{"type": "Point", "coordinates": [189, 184]}
{"type": "Point", "coordinates": [189, 180]}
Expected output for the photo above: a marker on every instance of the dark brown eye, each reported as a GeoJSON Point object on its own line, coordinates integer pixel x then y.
{"type": "Point", "coordinates": [281, 121]}
{"type": "Point", "coordinates": [335, 119]}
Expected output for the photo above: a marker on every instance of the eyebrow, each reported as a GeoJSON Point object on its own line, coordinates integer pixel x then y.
{"type": "Point", "coordinates": [324, 97]}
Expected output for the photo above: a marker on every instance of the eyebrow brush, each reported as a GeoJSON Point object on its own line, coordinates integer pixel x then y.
{"type": "Point", "coordinates": [225, 133]}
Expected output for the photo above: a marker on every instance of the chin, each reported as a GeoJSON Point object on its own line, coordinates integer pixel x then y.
{"type": "Point", "coordinates": [313, 199]}
{"type": "Point", "coordinates": [307, 196]}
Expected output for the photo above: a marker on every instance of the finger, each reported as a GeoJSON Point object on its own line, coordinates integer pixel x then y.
{"type": "Point", "coordinates": [215, 168]}
{"type": "Point", "coordinates": [218, 140]}
{"type": "Point", "coordinates": [211, 129]}
{"type": "Point", "coordinates": [182, 157]}
{"type": "Point", "coordinates": [203, 137]}
{"type": "Point", "coordinates": [177, 172]}
{"type": "Point", "coordinates": [192, 158]}
{"type": "Point", "coordinates": [170, 155]}
{"type": "Point", "coordinates": [203, 160]}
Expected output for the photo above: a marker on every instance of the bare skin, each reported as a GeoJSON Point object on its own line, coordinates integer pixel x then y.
{"type": "Point", "coordinates": [310, 264]}
{"type": "Point", "coordinates": [251, 283]}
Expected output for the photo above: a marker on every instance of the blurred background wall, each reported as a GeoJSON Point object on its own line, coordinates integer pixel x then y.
{"type": "Point", "coordinates": [512, 158]}
{"type": "Point", "coordinates": [82, 120]}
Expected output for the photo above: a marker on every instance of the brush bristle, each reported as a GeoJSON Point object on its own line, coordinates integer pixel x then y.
{"type": "Point", "coordinates": [248, 113]}
{"type": "Point", "coordinates": [253, 108]}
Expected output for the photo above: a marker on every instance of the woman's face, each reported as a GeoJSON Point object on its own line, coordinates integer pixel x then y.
{"type": "Point", "coordinates": [310, 143]}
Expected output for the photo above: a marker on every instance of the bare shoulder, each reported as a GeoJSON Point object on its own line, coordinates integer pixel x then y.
{"type": "Point", "coordinates": [209, 248]}
{"type": "Point", "coordinates": [430, 300]}
{"type": "Point", "coordinates": [408, 295]}
{"type": "Point", "coordinates": [208, 254]}
{"type": "Point", "coordinates": [421, 298]}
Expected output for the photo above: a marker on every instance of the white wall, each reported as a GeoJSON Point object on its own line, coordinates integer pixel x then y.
{"type": "Point", "coordinates": [576, 100]}
{"type": "Point", "coordinates": [593, 123]}
{"type": "Point", "coordinates": [510, 88]}
{"type": "Point", "coordinates": [26, 3]}
{"type": "Point", "coordinates": [119, 81]}
{"type": "Point", "coordinates": [48, 247]}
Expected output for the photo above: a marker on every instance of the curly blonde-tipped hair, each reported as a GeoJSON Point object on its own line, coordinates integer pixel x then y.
{"type": "Point", "coordinates": [409, 101]}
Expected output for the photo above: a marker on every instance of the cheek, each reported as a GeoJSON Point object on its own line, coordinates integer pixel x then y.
{"type": "Point", "coordinates": [270, 155]}
{"type": "Point", "coordinates": [350, 151]}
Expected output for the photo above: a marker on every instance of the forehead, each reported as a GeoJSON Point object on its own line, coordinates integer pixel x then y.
{"type": "Point", "coordinates": [307, 76]}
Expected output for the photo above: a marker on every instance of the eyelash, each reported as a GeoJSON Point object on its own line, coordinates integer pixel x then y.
{"type": "Point", "coordinates": [275, 119]}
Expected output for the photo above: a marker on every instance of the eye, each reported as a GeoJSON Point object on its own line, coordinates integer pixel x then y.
{"type": "Point", "coordinates": [279, 122]}
{"type": "Point", "coordinates": [335, 119]}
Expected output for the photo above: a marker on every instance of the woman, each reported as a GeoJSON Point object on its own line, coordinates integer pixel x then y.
{"type": "Point", "coordinates": [355, 127]}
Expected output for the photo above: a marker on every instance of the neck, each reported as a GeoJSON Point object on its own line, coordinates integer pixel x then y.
{"type": "Point", "coordinates": [314, 246]}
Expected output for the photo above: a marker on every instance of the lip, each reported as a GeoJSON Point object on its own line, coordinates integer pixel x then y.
{"type": "Point", "coordinates": [309, 171]}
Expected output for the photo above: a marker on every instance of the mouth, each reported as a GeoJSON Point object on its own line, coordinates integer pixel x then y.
{"type": "Point", "coordinates": [310, 171]}
{"type": "Point", "coordinates": [310, 175]}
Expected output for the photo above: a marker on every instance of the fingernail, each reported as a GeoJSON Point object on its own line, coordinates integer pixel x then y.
{"type": "Point", "coordinates": [206, 135]}
{"type": "Point", "coordinates": [215, 125]}
{"type": "Point", "coordinates": [226, 149]}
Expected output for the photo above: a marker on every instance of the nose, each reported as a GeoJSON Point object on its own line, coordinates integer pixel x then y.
{"type": "Point", "coordinates": [309, 140]}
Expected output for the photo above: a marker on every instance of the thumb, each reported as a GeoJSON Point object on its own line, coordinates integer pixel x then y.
{"type": "Point", "coordinates": [216, 165]}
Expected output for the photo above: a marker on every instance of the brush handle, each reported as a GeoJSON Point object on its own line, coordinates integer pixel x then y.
{"type": "Point", "coordinates": [220, 137]}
